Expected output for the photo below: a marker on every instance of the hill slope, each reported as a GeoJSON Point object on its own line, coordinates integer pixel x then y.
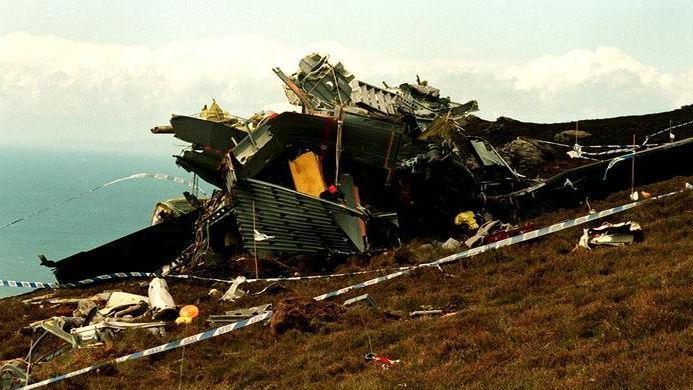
{"type": "Point", "coordinates": [618, 130]}
{"type": "Point", "coordinates": [533, 315]}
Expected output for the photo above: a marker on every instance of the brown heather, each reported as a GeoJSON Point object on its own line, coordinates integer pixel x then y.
{"type": "Point", "coordinates": [533, 315]}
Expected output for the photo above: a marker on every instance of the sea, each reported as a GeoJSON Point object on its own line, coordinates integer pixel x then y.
{"type": "Point", "coordinates": [44, 181]}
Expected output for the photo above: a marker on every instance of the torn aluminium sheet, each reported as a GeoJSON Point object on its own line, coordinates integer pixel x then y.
{"type": "Point", "coordinates": [618, 234]}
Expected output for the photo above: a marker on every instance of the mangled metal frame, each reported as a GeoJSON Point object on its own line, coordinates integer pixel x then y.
{"type": "Point", "coordinates": [361, 128]}
{"type": "Point", "coordinates": [401, 151]}
{"type": "Point", "coordinates": [76, 333]}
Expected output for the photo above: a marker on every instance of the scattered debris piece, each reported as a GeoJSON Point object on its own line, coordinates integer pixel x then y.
{"type": "Point", "coordinates": [493, 231]}
{"type": "Point", "coordinates": [421, 313]}
{"type": "Point", "coordinates": [119, 301]}
{"type": "Point", "coordinates": [13, 374]}
{"type": "Point", "coordinates": [451, 244]}
{"type": "Point", "coordinates": [79, 333]}
{"type": "Point", "coordinates": [304, 314]}
{"type": "Point", "coordinates": [384, 362]}
{"type": "Point", "coordinates": [183, 321]}
{"type": "Point", "coordinates": [270, 287]}
{"type": "Point", "coordinates": [214, 293]}
{"type": "Point", "coordinates": [618, 234]}
{"type": "Point", "coordinates": [173, 208]}
{"type": "Point", "coordinates": [189, 311]}
{"type": "Point", "coordinates": [466, 218]}
{"type": "Point", "coordinates": [483, 231]}
{"type": "Point", "coordinates": [160, 300]}
{"type": "Point", "coordinates": [506, 232]}
{"type": "Point", "coordinates": [642, 194]}
{"type": "Point", "coordinates": [365, 298]}
{"type": "Point", "coordinates": [234, 292]}
{"type": "Point", "coordinates": [239, 314]}
{"type": "Point", "coordinates": [38, 299]}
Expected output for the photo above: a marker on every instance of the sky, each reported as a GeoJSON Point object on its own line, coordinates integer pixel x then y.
{"type": "Point", "coordinates": [98, 75]}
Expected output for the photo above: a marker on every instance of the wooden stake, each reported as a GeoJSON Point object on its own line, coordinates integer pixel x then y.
{"type": "Point", "coordinates": [632, 170]}
{"type": "Point", "coordinates": [576, 131]}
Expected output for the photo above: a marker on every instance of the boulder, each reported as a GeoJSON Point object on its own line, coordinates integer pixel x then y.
{"type": "Point", "coordinates": [526, 155]}
{"type": "Point", "coordinates": [568, 137]}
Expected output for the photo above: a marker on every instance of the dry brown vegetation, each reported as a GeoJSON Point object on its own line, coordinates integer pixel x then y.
{"type": "Point", "coordinates": [533, 315]}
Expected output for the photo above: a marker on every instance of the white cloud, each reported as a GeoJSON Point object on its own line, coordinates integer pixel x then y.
{"type": "Point", "coordinates": [59, 90]}
{"type": "Point", "coordinates": [578, 66]}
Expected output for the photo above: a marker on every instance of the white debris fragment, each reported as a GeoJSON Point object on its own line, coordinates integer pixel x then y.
{"type": "Point", "coordinates": [451, 244]}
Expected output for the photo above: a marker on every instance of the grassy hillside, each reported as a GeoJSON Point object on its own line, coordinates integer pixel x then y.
{"type": "Point", "coordinates": [618, 130]}
{"type": "Point", "coordinates": [533, 315]}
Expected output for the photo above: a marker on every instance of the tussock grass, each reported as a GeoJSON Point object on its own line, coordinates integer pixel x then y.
{"type": "Point", "coordinates": [533, 315]}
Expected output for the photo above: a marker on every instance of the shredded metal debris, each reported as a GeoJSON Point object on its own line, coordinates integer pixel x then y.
{"type": "Point", "coordinates": [611, 234]}
{"type": "Point", "coordinates": [344, 168]}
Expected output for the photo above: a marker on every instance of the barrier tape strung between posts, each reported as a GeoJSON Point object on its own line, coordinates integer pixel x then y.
{"type": "Point", "coordinates": [629, 147]}
{"type": "Point", "coordinates": [133, 275]}
{"type": "Point", "coordinates": [471, 252]}
{"type": "Point", "coordinates": [118, 275]}
{"type": "Point", "coordinates": [606, 152]}
{"type": "Point", "coordinates": [157, 176]}
{"type": "Point", "coordinates": [291, 278]}
{"type": "Point", "coordinates": [240, 324]}
{"type": "Point", "coordinates": [158, 349]}
{"type": "Point", "coordinates": [496, 245]}
{"type": "Point", "coordinates": [95, 279]}
{"type": "Point", "coordinates": [665, 130]}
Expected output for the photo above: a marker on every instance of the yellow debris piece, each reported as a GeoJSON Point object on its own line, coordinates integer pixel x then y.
{"type": "Point", "coordinates": [441, 127]}
{"type": "Point", "coordinates": [214, 112]}
{"type": "Point", "coordinates": [466, 218]}
{"type": "Point", "coordinates": [307, 175]}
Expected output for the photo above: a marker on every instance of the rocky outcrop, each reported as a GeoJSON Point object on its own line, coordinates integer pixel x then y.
{"type": "Point", "coordinates": [569, 136]}
{"type": "Point", "coordinates": [527, 155]}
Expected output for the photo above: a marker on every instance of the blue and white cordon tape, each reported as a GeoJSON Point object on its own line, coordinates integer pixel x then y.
{"type": "Point", "coordinates": [622, 148]}
{"type": "Point", "coordinates": [100, 278]}
{"type": "Point", "coordinates": [133, 275]}
{"type": "Point", "coordinates": [261, 317]}
{"type": "Point", "coordinates": [290, 278]}
{"type": "Point", "coordinates": [665, 130]}
{"type": "Point", "coordinates": [496, 245]}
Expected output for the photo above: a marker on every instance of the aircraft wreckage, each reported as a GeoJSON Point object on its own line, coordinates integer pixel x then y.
{"type": "Point", "coordinates": [348, 168]}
